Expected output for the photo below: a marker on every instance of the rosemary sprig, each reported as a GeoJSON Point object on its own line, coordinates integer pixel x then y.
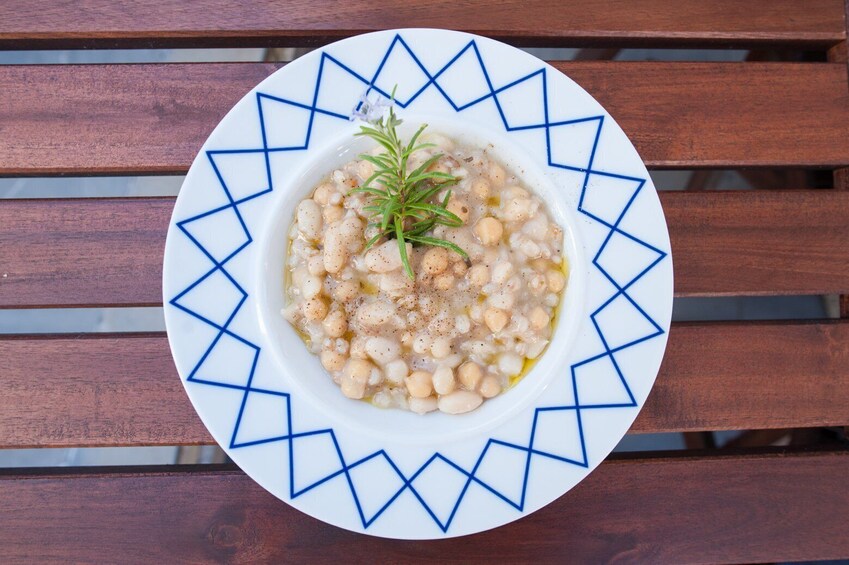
{"type": "Point", "coordinates": [401, 203]}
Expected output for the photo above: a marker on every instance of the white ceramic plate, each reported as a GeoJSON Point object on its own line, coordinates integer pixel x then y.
{"type": "Point", "coordinates": [387, 472]}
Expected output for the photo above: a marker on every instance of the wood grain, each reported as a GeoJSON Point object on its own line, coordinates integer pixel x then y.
{"type": "Point", "coordinates": [169, 23]}
{"type": "Point", "coordinates": [120, 389]}
{"type": "Point", "coordinates": [152, 119]}
{"type": "Point", "coordinates": [85, 251]}
{"type": "Point", "coordinates": [759, 242]}
{"type": "Point", "coordinates": [104, 252]}
{"type": "Point", "coordinates": [784, 506]}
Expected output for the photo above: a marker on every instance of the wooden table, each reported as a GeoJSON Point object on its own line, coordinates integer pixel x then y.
{"type": "Point", "coordinates": [769, 117]}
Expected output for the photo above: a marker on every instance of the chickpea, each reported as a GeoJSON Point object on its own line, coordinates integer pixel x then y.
{"type": "Point", "coordinates": [419, 384]}
{"type": "Point", "coordinates": [332, 360]}
{"type": "Point", "coordinates": [435, 260]}
{"type": "Point", "coordinates": [538, 318]}
{"type": "Point", "coordinates": [459, 268]}
{"type": "Point", "coordinates": [459, 208]}
{"type": "Point", "coordinates": [345, 291]}
{"type": "Point", "coordinates": [490, 387]}
{"type": "Point", "coordinates": [443, 282]}
{"type": "Point", "coordinates": [315, 309]}
{"type": "Point", "coordinates": [478, 275]}
{"type": "Point", "coordinates": [495, 319]}
{"type": "Point", "coordinates": [488, 230]}
{"type": "Point", "coordinates": [556, 280]}
{"type": "Point", "coordinates": [470, 375]}
{"type": "Point", "coordinates": [322, 193]}
{"type": "Point", "coordinates": [441, 347]}
{"type": "Point", "coordinates": [480, 188]}
{"type": "Point", "coordinates": [335, 324]}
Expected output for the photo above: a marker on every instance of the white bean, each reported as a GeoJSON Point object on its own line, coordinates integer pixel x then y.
{"type": "Point", "coordinates": [470, 375]}
{"type": "Point", "coordinates": [309, 219]}
{"type": "Point", "coordinates": [335, 251]}
{"type": "Point", "coordinates": [355, 375]}
{"type": "Point", "coordinates": [335, 324]}
{"type": "Point", "coordinates": [396, 371]}
{"type": "Point", "coordinates": [332, 361]}
{"type": "Point", "coordinates": [310, 287]}
{"type": "Point", "coordinates": [443, 380]}
{"type": "Point", "coordinates": [510, 364]}
{"type": "Point", "coordinates": [423, 405]}
{"type": "Point", "coordinates": [382, 350]}
{"type": "Point", "coordinates": [441, 347]}
{"type": "Point", "coordinates": [375, 313]}
{"type": "Point", "coordinates": [315, 309]}
{"type": "Point", "coordinates": [490, 387]}
{"type": "Point", "coordinates": [315, 266]}
{"type": "Point", "coordinates": [459, 402]}
{"type": "Point", "coordinates": [385, 257]}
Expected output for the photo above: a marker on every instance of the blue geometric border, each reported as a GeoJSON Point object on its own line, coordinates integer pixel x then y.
{"type": "Point", "coordinates": [218, 266]}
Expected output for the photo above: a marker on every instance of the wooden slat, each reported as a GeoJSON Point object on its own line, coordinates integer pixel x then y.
{"type": "Point", "coordinates": [759, 242]}
{"type": "Point", "coordinates": [99, 390]}
{"type": "Point", "coordinates": [99, 23]}
{"type": "Point", "coordinates": [750, 375]}
{"type": "Point", "coordinates": [101, 252]}
{"type": "Point", "coordinates": [77, 252]}
{"type": "Point", "coordinates": [727, 509]}
{"type": "Point", "coordinates": [146, 119]}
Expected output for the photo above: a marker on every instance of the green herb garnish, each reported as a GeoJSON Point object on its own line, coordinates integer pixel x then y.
{"type": "Point", "coordinates": [401, 204]}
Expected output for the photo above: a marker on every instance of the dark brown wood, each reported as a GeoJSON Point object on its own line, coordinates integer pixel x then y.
{"type": "Point", "coordinates": [738, 375]}
{"type": "Point", "coordinates": [100, 252]}
{"type": "Point", "coordinates": [169, 23]}
{"type": "Point", "coordinates": [93, 390]}
{"type": "Point", "coordinates": [86, 251]}
{"type": "Point", "coordinates": [759, 242]}
{"type": "Point", "coordinates": [99, 390]}
{"type": "Point", "coordinates": [149, 119]}
{"type": "Point", "coordinates": [785, 506]}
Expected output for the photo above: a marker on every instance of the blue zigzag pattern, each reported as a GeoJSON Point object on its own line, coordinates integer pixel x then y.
{"type": "Point", "coordinates": [468, 476]}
